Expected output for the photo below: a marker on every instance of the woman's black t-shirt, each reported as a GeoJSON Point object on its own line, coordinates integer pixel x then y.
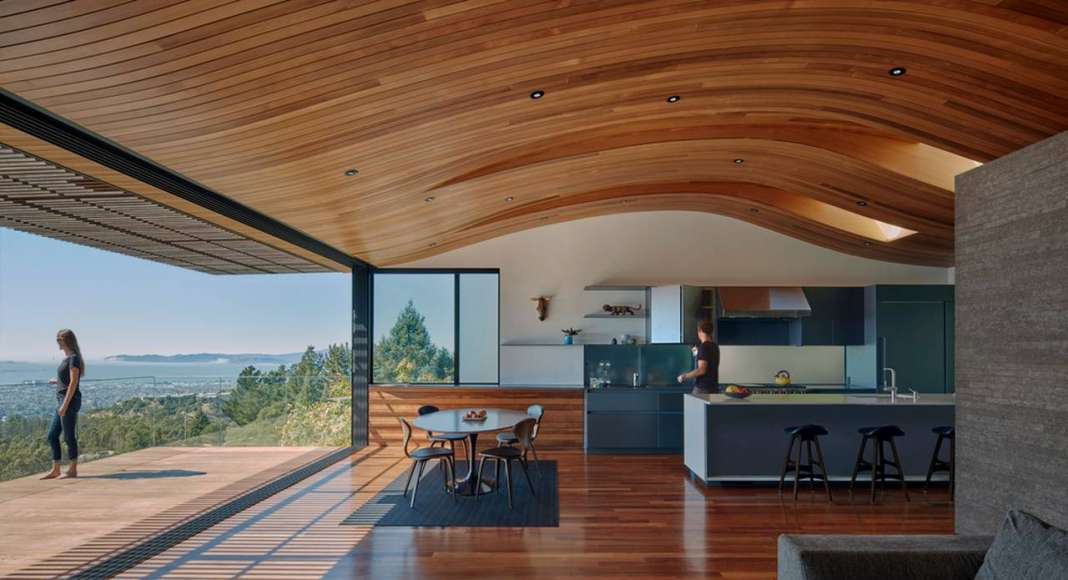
{"type": "Point", "coordinates": [708, 382]}
{"type": "Point", "coordinates": [63, 374]}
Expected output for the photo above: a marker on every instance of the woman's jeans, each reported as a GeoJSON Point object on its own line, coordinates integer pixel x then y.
{"type": "Point", "coordinates": [67, 425]}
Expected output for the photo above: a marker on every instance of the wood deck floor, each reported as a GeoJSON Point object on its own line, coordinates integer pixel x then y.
{"type": "Point", "coordinates": [620, 517]}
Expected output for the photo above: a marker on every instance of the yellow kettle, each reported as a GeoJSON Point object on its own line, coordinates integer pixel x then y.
{"type": "Point", "coordinates": [782, 378]}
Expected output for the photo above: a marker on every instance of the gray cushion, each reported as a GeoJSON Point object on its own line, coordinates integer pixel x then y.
{"type": "Point", "coordinates": [1026, 548]}
{"type": "Point", "coordinates": [838, 557]}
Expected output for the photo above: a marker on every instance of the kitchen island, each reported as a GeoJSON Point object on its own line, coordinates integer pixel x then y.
{"type": "Point", "coordinates": [743, 441]}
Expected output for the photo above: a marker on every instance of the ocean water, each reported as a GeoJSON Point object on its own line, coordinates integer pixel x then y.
{"type": "Point", "coordinates": [15, 373]}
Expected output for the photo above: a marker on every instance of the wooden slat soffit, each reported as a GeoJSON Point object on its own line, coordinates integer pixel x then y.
{"type": "Point", "coordinates": [39, 197]}
{"type": "Point", "coordinates": [271, 103]}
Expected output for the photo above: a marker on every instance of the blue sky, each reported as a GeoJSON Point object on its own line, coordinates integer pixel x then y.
{"type": "Point", "coordinates": [118, 304]}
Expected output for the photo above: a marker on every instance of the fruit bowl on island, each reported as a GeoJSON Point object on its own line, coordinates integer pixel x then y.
{"type": "Point", "coordinates": [475, 415]}
{"type": "Point", "coordinates": [736, 392]}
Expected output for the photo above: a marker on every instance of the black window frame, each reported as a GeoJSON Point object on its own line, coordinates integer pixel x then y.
{"type": "Point", "coordinates": [456, 273]}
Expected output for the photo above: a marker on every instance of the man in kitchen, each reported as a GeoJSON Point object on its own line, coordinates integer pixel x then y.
{"type": "Point", "coordinates": [706, 375]}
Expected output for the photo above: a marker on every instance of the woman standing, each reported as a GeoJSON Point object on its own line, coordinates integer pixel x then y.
{"type": "Point", "coordinates": [69, 396]}
{"type": "Point", "coordinates": [706, 374]}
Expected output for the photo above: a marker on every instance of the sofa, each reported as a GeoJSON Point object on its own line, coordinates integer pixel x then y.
{"type": "Point", "coordinates": [833, 557]}
{"type": "Point", "coordinates": [1025, 548]}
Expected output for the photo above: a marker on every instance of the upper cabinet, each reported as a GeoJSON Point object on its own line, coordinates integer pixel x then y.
{"type": "Point", "coordinates": [836, 319]}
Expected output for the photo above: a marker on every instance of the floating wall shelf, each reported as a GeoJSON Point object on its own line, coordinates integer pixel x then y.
{"type": "Point", "coordinates": [607, 315]}
{"type": "Point", "coordinates": [615, 288]}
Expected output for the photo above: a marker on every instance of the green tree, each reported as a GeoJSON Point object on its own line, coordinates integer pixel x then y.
{"type": "Point", "coordinates": [406, 354]}
{"type": "Point", "coordinates": [306, 383]}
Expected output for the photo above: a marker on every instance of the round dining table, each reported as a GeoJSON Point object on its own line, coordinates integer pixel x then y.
{"type": "Point", "coordinates": [452, 421]}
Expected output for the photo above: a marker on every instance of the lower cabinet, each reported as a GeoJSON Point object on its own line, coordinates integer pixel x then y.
{"type": "Point", "coordinates": [619, 431]}
{"type": "Point", "coordinates": [634, 421]}
{"type": "Point", "coordinates": [669, 431]}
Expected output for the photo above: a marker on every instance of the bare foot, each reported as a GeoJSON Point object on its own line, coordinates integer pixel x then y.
{"type": "Point", "coordinates": [51, 474]}
{"type": "Point", "coordinates": [70, 475]}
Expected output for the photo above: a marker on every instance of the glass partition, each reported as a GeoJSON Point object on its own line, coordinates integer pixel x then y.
{"type": "Point", "coordinates": [479, 328]}
{"type": "Point", "coordinates": [657, 365]}
{"type": "Point", "coordinates": [436, 326]}
{"type": "Point", "coordinates": [414, 328]}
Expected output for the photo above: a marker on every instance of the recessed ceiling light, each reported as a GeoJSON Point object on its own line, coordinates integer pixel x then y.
{"type": "Point", "coordinates": [673, 99]}
{"type": "Point", "coordinates": [432, 244]}
{"type": "Point", "coordinates": [867, 244]}
{"type": "Point", "coordinates": [429, 198]}
{"type": "Point", "coordinates": [739, 161]}
{"type": "Point", "coordinates": [897, 71]}
{"type": "Point", "coordinates": [537, 94]}
{"type": "Point", "coordinates": [862, 203]}
{"type": "Point", "coordinates": [509, 198]}
{"type": "Point", "coordinates": [754, 210]}
{"type": "Point", "coordinates": [351, 172]}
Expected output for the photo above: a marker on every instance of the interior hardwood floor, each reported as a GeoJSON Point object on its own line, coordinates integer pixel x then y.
{"type": "Point", "coordinates": [633, 516]}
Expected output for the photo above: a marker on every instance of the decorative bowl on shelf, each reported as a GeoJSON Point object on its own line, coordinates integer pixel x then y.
{"type": "Point", "coordinates": [475, 415]}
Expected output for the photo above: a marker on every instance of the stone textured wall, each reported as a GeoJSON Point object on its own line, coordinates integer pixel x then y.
{"type": "Point", "coordinates": [1012, 337]}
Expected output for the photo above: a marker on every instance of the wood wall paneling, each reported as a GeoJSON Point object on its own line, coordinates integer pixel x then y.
{"type": "Point", "coordinates": [562, 425]}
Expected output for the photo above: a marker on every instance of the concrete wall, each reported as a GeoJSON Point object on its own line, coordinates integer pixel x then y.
{"type": "Point", "coordinates": [1012, 337]}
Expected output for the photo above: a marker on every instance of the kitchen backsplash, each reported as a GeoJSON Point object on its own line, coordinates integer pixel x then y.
{"type": "Point", "coordinates": [758, 364]}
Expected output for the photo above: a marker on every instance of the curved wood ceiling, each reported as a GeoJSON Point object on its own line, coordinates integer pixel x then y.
{"type": "Point", "coordinates": [270, 102]}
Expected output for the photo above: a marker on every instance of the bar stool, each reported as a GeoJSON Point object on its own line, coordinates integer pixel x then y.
{"type": "Point", "coordinates": [806, 437]}
{"type": "Point", "coordinates": [946, 432]}
{"type": "Point", "coordinates": [879, 436]}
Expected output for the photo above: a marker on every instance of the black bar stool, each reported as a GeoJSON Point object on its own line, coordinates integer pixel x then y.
{"type": "Point", "coordinates": [946, 432]}
{"type": "Point", "coordinates": [807, 438]}
{"type": "Point", "coordinates": [879, 436]}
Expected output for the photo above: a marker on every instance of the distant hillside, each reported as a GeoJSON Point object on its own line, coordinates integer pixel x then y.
{"type": "Point", "coordinates": [210, 357]}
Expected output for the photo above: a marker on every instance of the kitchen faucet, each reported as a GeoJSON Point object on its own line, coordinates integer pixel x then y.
{"type": "Point", "coordinates": [893, 383]}
{"type": "Point", "coordinates": [892, 387]}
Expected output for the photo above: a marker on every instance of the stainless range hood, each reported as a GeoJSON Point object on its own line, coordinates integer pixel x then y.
{"type": "Point", "coordinates": [763, 302]}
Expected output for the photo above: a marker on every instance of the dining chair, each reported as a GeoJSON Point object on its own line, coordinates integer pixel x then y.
{"type": "Point", "coordinates": [443, 438]}
{"type": "Point", "coordinates": [419, 458]}
{"type": "Point", "coordinates": [509, 438]}
{"type": "Point", "coordinates": [524, 433]}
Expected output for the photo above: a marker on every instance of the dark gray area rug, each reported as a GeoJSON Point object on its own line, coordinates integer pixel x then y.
{"type": "Point", "coordinates": [435, 508]}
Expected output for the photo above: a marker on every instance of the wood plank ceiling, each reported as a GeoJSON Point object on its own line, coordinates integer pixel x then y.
{"type": "Point", "coordinates": [788, 118]}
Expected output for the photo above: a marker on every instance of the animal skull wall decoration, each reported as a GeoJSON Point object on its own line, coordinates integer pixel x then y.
{"type": "Point", "coordinates": [542, 307]}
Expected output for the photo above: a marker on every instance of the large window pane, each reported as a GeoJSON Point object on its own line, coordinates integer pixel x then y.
{"type": "Point", "coordinates": [414, 328]}
{"type": "Point", "coordinates": [479, 328]}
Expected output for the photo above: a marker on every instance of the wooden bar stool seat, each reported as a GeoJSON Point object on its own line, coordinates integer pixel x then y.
{"type": "Point", "coordinates": [806, 437]}
{"type": "Point", "coordinates": [945, 432]}
{"type": "Point", "coordinates": [881, 437]}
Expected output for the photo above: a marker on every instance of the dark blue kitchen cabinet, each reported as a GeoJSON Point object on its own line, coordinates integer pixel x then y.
{"type": "Point", "coordinates": [911, 328]}
{"type": "Point", "coordinates": [754, 331]}
{"type": "Point", "coordinates": [837, 318]}
{"type": "Point", "coordinates": [641, 420]}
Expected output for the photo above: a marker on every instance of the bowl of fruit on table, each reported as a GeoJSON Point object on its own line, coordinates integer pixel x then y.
{"type": "Point", "coordinates": [736, 392]}
{"type": "Point", "coordinates": [475, 415]}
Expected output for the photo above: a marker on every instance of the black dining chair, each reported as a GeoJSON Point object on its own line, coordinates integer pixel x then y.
{"type": "Point", "coordinates": [419, 458]}
{"type": "Point", "coordinates": [524, 434]}
{"type": "Point", "coordinates": [443, 438]}
{"type": "Point", "coordinates": [509, 438]}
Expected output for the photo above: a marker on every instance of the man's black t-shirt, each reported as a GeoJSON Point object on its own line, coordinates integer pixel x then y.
{"type": "Point", "coordinates": [708, 382]}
